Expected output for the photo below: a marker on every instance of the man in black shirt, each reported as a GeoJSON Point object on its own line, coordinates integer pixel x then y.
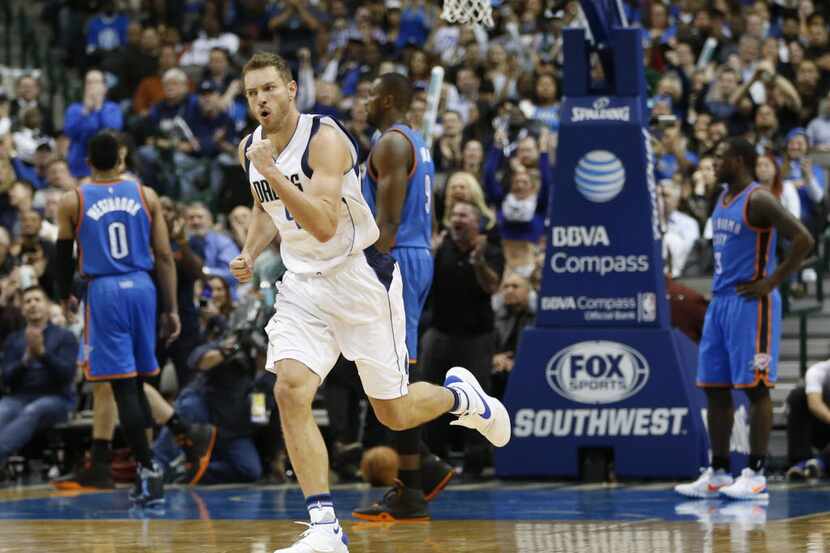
{"type": "Point", "coordinates": [468, 270]}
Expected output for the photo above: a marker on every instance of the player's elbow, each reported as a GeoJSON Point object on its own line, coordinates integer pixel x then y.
{"type": "Point", "coordinates": [165, 257]}
{"type": "Point", "coordinates": [324, 234]}
{"type": "Point", "coordinates": [324, 230]}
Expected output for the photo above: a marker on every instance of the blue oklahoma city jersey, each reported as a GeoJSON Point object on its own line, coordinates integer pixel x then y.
{"type": "Point", "coordinates": [742, 252]}
{"type": "Point", "coordinates": [113, 229]}
{"type": "Point", "coordinates": [415, 230]}
{"type": "Point", "coordinates": [114, 235]}
{"type": "Point", "coordinates": [741, 335]}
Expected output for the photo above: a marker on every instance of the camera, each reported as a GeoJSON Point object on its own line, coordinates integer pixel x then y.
{"type": "Point", "coordinates": [246, 332]}
{"type": "Point", "coordinates": [663, 121]}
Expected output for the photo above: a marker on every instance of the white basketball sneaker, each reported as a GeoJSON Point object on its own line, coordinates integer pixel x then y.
{"type": "Point", "coordinates": [320, 538]}
{"type": "Point", "coordinates": [707, 485]}
{"type": "Point", "coordinates": [485, 413]}
{"type": "Point", "coordinates": [750, 485]}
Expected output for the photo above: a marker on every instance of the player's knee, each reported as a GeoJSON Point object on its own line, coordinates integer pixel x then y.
{"type": "Point", "coordinates": [757, 393]}
{"type": "Point", "coordinates": [291, 395]}
{"type": "Point", "coordinates": [719, 397]}
{"type": "Point", "coordinates": [102, 391]}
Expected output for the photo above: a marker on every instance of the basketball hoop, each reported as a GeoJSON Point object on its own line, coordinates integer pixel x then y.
{"type": "Point", "coordinates": [468, 11]}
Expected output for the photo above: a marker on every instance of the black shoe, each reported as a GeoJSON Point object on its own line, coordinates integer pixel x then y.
{"type": "Point", "coordinates": [178, 471]}
{"type": "Point", "coordinates": [88, 475]}
{"type": "Point", "coordinates": [399, 503]}
{"type": "Point", "coordinates": [197, 444]}
{"type": "Point", "coordinates": [435, 475]}
{"type": "Point", "coordinates": [149, 486]}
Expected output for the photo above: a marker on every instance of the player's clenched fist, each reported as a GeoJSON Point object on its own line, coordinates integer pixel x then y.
{"type": "Point", "coordinates": [261, 155]}
{"type": "Point", "coordinates": [242, 267]}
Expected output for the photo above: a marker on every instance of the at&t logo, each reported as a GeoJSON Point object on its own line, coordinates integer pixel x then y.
{"type": "Point", "coordinates": [597, 372]}
{"type": "Point", "coordinates": [599, 176]}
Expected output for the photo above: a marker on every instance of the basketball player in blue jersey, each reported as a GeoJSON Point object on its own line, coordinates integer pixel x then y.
{"type": "Point", "coordinates": [398, 189]}
{"type": "Point", "coordinates": [339, 293]}
{"type": "Point", "coordinates": [739, 347]}
{"type": "Point", "coordinates": [122, 237]}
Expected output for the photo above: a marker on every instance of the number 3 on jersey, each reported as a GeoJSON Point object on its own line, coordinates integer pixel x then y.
{"type": "Point", "coordinates": [425, 155]}
{"type": "Point", "coordinates": [119, 247]}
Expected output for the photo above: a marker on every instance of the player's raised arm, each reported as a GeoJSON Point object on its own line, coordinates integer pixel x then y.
{"type": "Point", "coordinates": [766, 211]}
{"type": "Point", "coordinates": [316, 209]}
{"type": "Point", "coordinates": [165, 267]}
{"type": "Point", "coordinates": [65, 261]}
{"type": "Point", "coordinates": [261, 232]}
{"type": "Point", "coordinates": [392, 160]}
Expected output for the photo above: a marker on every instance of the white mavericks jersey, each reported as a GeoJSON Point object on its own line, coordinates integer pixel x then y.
{"type": "Point", "coordinates": [356, 227]}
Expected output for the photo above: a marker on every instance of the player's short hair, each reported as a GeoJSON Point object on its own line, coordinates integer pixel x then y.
{"type": "Point", "coordinates": [102, 151]}
{"type": "Point", "coordinates": [745, 151]}
{"type": "Point", "coordinates": [261, 60]}
{"type": "Point", "coordinates": [399, 87]}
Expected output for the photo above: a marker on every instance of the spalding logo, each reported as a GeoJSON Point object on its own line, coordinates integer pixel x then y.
{"type": "Point", "coordinates": [599, 176]}
{"type": "Point", "coordinates": [597, 372]}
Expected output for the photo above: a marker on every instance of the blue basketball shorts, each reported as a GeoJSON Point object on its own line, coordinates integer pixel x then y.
{"type": "Point", "coordinates": [120, 329]}
{"type": "Point", "coordinates": [416, 267]}
{"type": "Point", "coordinates": [741, 337]}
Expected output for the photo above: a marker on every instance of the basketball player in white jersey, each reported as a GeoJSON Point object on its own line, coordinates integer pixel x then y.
{"type": "Point", "coordinates": [340, 294]}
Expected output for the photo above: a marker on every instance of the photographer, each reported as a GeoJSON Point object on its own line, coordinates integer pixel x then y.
{"type": "Point", "coordinates": [215, 308]}
{"type": "Point", "coordinates": [38, 370]}
{"type": "Point", "coordinates": [220, 395]}
{"type": "Point", "coordinates": [34, 254]}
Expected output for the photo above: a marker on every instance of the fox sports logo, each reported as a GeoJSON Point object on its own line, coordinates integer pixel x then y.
{"type": "Point", "coordinates": [599, 176]}
{"type": "Point", "coordinates": [597, 372]}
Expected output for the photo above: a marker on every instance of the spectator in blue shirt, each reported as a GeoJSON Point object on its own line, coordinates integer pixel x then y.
{"type": "Point", "coordinates": [84, 119]}
{"type": "Point", "coordinates": [215, 248]}
{"type": "Point", "coordinates": [673, 156]}
{"type": "Point", "coordinates": [414, 27]}
{"type": "Point", "coordinates": [38, 370]}
{"type": "Point", "coordinates": [808, 179]}
{"type": "Point", "coordinates": [107, 30]}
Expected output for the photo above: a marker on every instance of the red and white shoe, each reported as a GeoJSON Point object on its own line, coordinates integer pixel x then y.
{"type": "Point", "coordinates": [707, 486]}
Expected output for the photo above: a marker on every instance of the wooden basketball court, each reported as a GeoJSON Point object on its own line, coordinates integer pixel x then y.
{"type": "Point", "coordinates": [503, 518]}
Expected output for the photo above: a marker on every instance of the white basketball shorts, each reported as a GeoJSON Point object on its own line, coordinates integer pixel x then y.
{"type": "Point", "coordinates": [357, 310]}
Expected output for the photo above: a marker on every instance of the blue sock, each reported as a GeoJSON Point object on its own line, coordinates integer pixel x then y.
{"type": "Point", "coordinates": [320, 509]}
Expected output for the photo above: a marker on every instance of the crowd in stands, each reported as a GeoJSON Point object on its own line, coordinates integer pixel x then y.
{"type": "Point", "coordinates": [166, 75]}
